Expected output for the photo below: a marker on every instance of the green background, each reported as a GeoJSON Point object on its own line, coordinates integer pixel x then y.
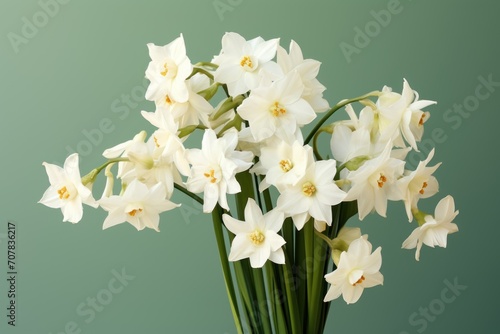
{"type": "Point", "coordinates": [77, 68]}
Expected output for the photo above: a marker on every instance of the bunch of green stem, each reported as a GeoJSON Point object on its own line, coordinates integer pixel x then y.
{"type": "Point", "coordinates": [280, 298]}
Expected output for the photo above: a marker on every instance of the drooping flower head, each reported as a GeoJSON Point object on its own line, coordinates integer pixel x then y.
{"type": "Point", "coordinates": [401, 115]}
{"type": "Point", "coordinates": [358, 269]}
{"type": "Point", "coordinates": [436, 228]}
{"type": "Point", "coordinates": [138, 205]}
{"type": "Point", "coordinates": [66, 190]}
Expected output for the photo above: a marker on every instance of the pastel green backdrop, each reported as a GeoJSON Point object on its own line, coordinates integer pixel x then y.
{"type": "Point", "coordinates": [74, 82]}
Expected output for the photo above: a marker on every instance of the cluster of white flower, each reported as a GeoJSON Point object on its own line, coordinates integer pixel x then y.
{"type": "Point", "coordinates": [256, 129]}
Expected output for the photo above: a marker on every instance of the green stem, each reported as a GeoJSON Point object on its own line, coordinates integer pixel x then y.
{"type": "Point", "coordinates": [217, 221]}
{"type": "Point", "coordinates": [244, 278]}
{"type": "Point", "coordinates": [309, 253]}
{"type": "Point", "coordinates": [267, 200]}
{"type": "Point", "coordinates": [301, 265]}
{"type": "Point", "coordinates": [200, 70]}
{"type": "Point", "coordinates": [316, 304]}
{"type": "Point", "coordinates": [325, 238]}
{"type": "Point", "coordinates": [333, 110]}
{"type": "Point", "coordinates": [190, 129]}
{"type": "Point", "coordinates": [90, 177]}
{"type": "Point", "coordinates": [275, 289]}
{"type": "Point", "coordinates": [229, 104]}
{"type": "Point", "coordinates": [247, 282]}
{"type": "Point", "coordinates": [288, 232]}
{"type": "Point", "coordinates": [262, 307]}
{"type": "Point", "coordinates": [209, 92]}
{"type": "Point", "coordinates": [332, 232]}
{"type": "Point", "coordinates": [293, 306]}
{"type": "Point", "coordinates": [187, 192]}
{"type": "Point", "coordinates": [257, 193]}
{"type": "Point", "coordinates": [317, 155]}
{"type": "Point", "coordinates": [235, 122]}
{"type": "Point", "coordinates": [206, 64]}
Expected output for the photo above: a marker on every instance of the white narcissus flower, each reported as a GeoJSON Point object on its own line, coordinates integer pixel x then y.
{"type": "Point", "coordinates": [121, 150]}
{"type": "Point", "coordinates": [278, 109]}
{"type": "Point", "coordinates": [257, 237]}
{"type": "Point", "coordinates": [342, 241]}
{"type": "Point", "coordinates": [400, 116]}
{"type": "Point", "coordinates": [308, 70]}
{"type": "Point", "coordinates": [356, 137]}
{"type": "Point", "coordinates": [313, 195]}
{"type": "Point", "coordinates": [214, 168]}
{"type": "Point", "coordinates": [242, 62]}
{"type": "Point", "coordinates": [166, 140]}
{"type": "Point", "coordinates": [193, 111]}
{"type": "Point", "coordinates": [168, 70]}
{"type": "Point", "coordinates": [435, 229]}
{"type": "Point", "coordinates": [347, 144]}
{"type": "Point", "coordinates": [349, 234]}
{"type": "Point", "coordinates": [418, 184]}
{"type": "Point", "coordinates": [138, 205]}
{"type": "Point", "coordinates": [153, 164]}
{"type": "Point", "coordinates": [358, 269]}
{"type": "Point", "coordinates": [283, 164]}
{"type": "Point", "coordinates": [373, 183]}
{"type": "Point", "coordinates": [66, 190]}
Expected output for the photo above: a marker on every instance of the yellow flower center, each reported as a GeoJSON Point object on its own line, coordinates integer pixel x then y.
{"type": "Point", "coordinates": [360, 280]}
{"type": "Point", "coordinates": [286, 165]}
{"type": "Point", "coordinates": [422, 120]}
{"type": "Point", "coordinates": [381, 180]}
{"type": "Point", "coordinates": [63, 193]}
{"type": "Point", "coordinates": [210, 175]}
{"type": "Point", "coordinates": [168, 100]}
{"type": "Point", "coordinates": [308, 189]}
{"type": "Point", "coordinates": [256, 237]}
{"type": "Point", "coordinates": [134, 212]}
{"type": "Point", "coordinates": [165, 70]}
{"type": "Point", "coordinates": [422, 190]}
{"type": "Point", "coordinates": [277, 109]}
{"type": "Point", "coordinates": [246, 62]}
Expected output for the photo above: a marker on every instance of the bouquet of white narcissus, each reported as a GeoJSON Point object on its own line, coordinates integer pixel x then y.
{"type": "Point", "coordinates": [292, 253]}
